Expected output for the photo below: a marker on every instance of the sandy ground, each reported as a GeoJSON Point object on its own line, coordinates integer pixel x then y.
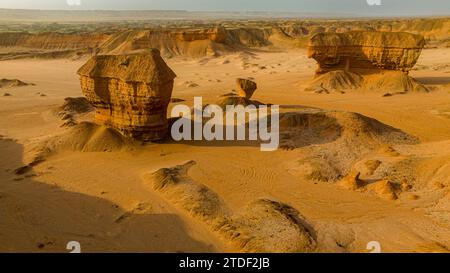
{"type": "Point", "coordinates": [101, 199]}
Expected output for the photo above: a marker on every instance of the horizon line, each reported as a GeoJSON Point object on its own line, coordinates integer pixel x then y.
{"type": "Point", "coordinates": [219, 11]}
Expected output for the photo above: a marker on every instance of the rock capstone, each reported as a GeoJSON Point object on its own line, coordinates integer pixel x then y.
{"type": "Point", "coordinates": [246, 88]}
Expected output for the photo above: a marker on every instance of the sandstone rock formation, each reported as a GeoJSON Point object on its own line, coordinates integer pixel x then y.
{"type": "Point", "coordinates": [71, 108]}
{"type": "Point", "coordinates": [385, 189]}
{"type": "Point", "coordinates": [352, 181]}
{"type": "Point", "coordinates": [130, 93]}
{"type": "Point", "coordinates": [369, 60]}
{"type": "Point", "coordinates": [217, 35]}
{"type": "Point", "coordinates": [8, 83]}
{"type": "Point", "coordinates": [198, 40]}
{"type": "Point", "coordinates": [171, 42]}
{"type": "Point", "coordinates": [246, 88]}
{"type": "Point", "coordinates": [359, 51]}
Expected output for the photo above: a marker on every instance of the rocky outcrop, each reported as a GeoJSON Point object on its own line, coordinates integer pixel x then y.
{"type": "Point", "coordinates": [246, 88]}
{"type": "Point", "coordinates": [130, 93]}
{"type": "Point", "coordinates": [52, 41]}
{"type": "Point", "coordinates": [352, 182]}
{"type": "Point", "coordinates": [378, 61]}
{"type": "Point", "coordinates": [8, 83]}
{"type": "Point", "coordinates": [359, 51]}
{"type": "Point", "coordinates": [217, 35]}
{"type": "Point", "coordinates": [204, 39]}
{"type": "Point", "coordinates": [49, 45]}
{"type": "Point", "coordinates": [170, 42]}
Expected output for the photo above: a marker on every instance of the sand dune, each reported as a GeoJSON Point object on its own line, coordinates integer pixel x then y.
{"type": "Point", "coordinates": [265, 226]}
{"type": "Point", "coordinates": [88, 137]}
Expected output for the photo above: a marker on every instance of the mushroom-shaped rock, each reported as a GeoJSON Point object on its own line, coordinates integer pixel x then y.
{"type": "Point", "coordinates": [365, 50]}
{"type": "Point", "coordinates": [365, 59]}
{"type": "Point", "coordinates": [246, 88]}
{"type": "Point", "coordinates": [130, 93]}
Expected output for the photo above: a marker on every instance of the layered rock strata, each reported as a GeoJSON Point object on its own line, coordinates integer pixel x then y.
{"type": "Point", "coordinates": [378, 61]}
{"type": "Point", "coordinates": [364, 51]}
{"type": "Point", "coordinates": [130, 93]}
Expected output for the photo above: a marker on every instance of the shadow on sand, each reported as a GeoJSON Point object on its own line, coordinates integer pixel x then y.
{"type": "Point", "coordinates": [434, 80]}
{"type": "Point", "coordinates": [41, 217]}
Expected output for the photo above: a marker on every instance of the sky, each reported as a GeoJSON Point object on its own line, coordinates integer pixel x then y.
{"type": "Point", "coordinates": [387, 7]}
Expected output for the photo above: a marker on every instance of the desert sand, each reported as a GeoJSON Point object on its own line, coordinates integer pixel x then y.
{"type": "Point", "coordinates": [353, 166]}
